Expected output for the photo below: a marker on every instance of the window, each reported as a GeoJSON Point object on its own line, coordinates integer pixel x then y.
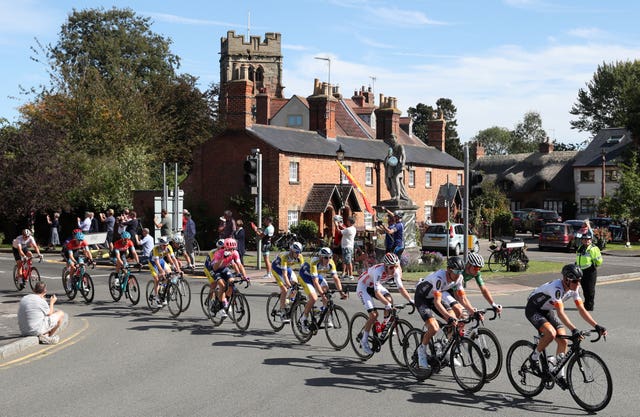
{"type": "Point", "coordinates": [368, 176]}
{"type": "Point", "coordinates": [587, 176]}
{"type": "Point", "coordinates": [427, 179]}
{"type": "Point", "coordinates": [552, 205]}
{"type": "Point", "coordinates": [343, 178]}
{"type": "Point", "coordinates": [294, 120]}
{"type": "Point", "coordinates": [587, 205]}
{"type": "Point", "coordinates": [427, 213]}
{"type": "Point", "coordinates": [368, 220]}
{"type": "Point", "coordinates": [613, 175]}
{"type": "Point", "coordinates": [412, 177]}
{"type": "Point", "coordinates": [459, 179]}
{"type": "Point", "coordinates": [292, 218]}
{"type": "Point", "coordinates": [294, 169]}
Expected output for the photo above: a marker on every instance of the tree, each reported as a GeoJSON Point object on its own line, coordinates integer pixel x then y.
{"type": "Point", "coordinates": [489, 207]}
{"type": "Point", "coordinates": [422, 113]}
{"type": "Point", "coordinates": [528, 134]}
{"type": "Point", "coordinates": [496, 140]}
{"type": "Point", "coordinates": [559, 146]}
{"type": "Point", "coordinates": [611, 99]}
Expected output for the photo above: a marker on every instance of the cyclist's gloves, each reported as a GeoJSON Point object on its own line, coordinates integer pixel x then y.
{"type": "Point", "coordinates": [451, 320]}
{"type": "Point", "coordinates": [600, 329]}
{"type": "Point", "coordinates": [477, 315]}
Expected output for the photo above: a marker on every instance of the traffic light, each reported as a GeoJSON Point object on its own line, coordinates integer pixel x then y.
{"type": "Point", "coordinates": [251, 174]}
{"type": "Point", "coordinates": [475, 184]}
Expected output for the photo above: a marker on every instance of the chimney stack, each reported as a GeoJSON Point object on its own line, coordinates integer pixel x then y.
{"type": "Point", "coordinates": [387, 118]}
{"type": "Point", "coordinates": [240, 100]}
{"type": "Point", "coordinates": [546, 146]}
{"type": "Point", "coordinates": [322, 110]}
{"type": "Point", "coordinates": [263, 107]}
{"type": "Point", "coordinates": [479, 150]}
{"type": "Point", "coordinates": [436, 132]}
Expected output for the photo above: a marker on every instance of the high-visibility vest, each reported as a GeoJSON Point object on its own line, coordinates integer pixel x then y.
{"type": "Point", "coordinates": [591, 256]}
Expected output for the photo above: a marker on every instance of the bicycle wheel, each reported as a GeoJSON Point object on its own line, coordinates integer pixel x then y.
{"type": "Point", "coordinates": [204, 299]}
{"type": "Point", "coordinates": [297, 311]}
{"type": "Point", "coordinates": [86, 288]}
{"type": "Point", "coordinates": [467, 365]}
{"type": "Point", "coordinates": [525, 379]}
{"type": "Point", "coordinates": [396, 340]}
{"type": "Point", "coordinates": [239, 311]}
{"type": "Point", "coordinates": [151, 303]}
{"type": "Point", "coordinates": [196, 248]}
{"type": "Point", "coordinates": [410, 344]}
{"type": "Point", "coordinates": [356, 329]}
{"type": "Point", "coordinates": [497, 262]}
{"type": "Point", "coordinates": [17, 279]}
{"type": "Point", "coordinates": [69, 285]}
{"type": "Point", "coordinates": [273, 309]}
{"type": "Point", "coordinates": [114, 289]}
{"type": "Point", "coordinates": [214, 313]}
{"type": "Point", "coordinates": [173, 296]}
{"type": "Point", "coordinates": [589, 381]}
{"type": "Point", "coordinates": [133, 290]}
{"type": "Point", "coordinates": [185, 290]}
{"type": "Point", "coordinates": [34, 277]}
{"type": "Point", "coordinates": [489, 344]}
{"type": "Point", "coordinates": [336, 327]}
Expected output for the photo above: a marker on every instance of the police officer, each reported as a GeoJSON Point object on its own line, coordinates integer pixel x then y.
{"type": "Point", "coordinates": [588, 258]}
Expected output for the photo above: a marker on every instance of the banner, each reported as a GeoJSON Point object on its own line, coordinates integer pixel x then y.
{"type": "Point", "coordinates": [355, 185]}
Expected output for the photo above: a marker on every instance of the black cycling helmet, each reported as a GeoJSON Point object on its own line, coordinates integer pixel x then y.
{"type": "Point", "coordinates": [475, 259]}
{"type": "Point", "coordinates": [455, 262]}
{"type": "Point", "coordinates": [572, 272]}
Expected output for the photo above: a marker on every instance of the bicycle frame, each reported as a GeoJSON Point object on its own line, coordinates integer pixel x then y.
{"type": "Point", "coordinates": [380, 339]}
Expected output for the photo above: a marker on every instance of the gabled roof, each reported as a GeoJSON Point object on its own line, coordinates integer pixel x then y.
{"type": "Point", "coordinates": [321, 195]}
{"type": "Point", "coordinates": [298, 141]}
{"type": "Point", "coordinates": [613, 141]}
{"type": "Point", "coordinates": [448, 193]}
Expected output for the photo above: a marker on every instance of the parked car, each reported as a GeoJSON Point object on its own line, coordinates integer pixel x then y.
{"type": "Point", "coordinates": [435, 239]}
{"type": "Point", "coordinates": [518, 221]}
{"type": "Point", "coordinates": [538, 218]}
{"type": "Point", "coordinates": [576, 225]}
{"type": "Point", "coordinates": [557, 235]}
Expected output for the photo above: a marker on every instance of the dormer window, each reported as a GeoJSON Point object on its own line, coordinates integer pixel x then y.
{"type": "Point", "coordinates": [613, 139]}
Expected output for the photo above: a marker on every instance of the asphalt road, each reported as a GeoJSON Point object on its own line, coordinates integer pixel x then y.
{"type": "Point", "coordinates": [121, 361]}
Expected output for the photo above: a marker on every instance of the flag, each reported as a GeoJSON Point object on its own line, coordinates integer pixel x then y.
{"type": "Point", "coordinates": [357, 187]}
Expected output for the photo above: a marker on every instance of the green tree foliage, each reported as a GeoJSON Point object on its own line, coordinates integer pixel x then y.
{"type": "Point", "coordinates": [496, 140]}
{"type": "Point", "coordinates": [559, 146]}
{"type": "Point", "coordinates": [490, 208]}
{"type": "Point", "coordinates": [528, 134]}
{"type": "Point", "coordinates": [619, 205]}
{"type": "Point", "coordinates": [422, 113]}
{"type": "Point", "coordinates": [610, 99]}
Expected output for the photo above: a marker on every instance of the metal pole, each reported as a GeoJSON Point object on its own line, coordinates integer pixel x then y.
{"type": "Point", "coordinates": [259, 206]}
{"type": "Point", "coordinates": [165, 190]}
{"type": "Point", "coordinates": [465, 205]}
{"type": "Point", "coordinates": [175, 199]}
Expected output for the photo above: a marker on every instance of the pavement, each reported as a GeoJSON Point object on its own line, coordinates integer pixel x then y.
{"type": "Point", "coordinates": [12, 343]}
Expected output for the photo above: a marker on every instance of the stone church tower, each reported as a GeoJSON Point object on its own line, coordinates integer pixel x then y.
{"type": "Point", "coordinates": [260, 61]}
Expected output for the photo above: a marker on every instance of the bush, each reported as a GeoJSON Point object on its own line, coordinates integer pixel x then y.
{"type": "Point", "coordinates": [307, 229]}
{"type": "Point", "coordinates": [428, 261]}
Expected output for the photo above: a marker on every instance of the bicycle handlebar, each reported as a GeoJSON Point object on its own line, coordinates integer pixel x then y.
{"type": "Point", "coordinates": [582, 334]}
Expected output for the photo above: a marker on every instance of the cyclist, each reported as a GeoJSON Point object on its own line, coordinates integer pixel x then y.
{"type": "Point", "coordinates": [370, 286]}
{"type": "Point", "coordinates": [432, 297]}
{"type": "Point", "coordinates": [70, 251]}
{"type": "Point", "coordinates": [162, 259]}
{"type": "Point", "coordinates": [121, 249]}
{"type": "Point", "coordinates": [20, 247]}
{"type": "Point", "coordinates": [284, 274]}
{"type": "Point", "coordinates": [475, 262]}
{"type": "Point", "coordinates": [545, 311]}
{"type": "Point", "coordinates": [314, 282]}
{"type": "Point", "coordinates": [223, 262]}
{"type": "Point", "coordinates": [177, 244]}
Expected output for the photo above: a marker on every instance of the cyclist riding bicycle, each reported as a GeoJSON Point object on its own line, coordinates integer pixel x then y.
{"type": "Point", "coordinates": [370, 287]}
{"type": "Point", "coordinates": [70, 251]}
{"type": "Point", "coordinates": [123, 248]}
{"type": "Point", "coordinates": [432, 297]}
{"type": "Point", "coordinates": [314, 282]}
{"type": "Point", "coordinates": [20, 247]}
{"type": "Point", "coordinates": [284, 274]}
{"type": "Point", "coordinates": [475, 262]}
{"type": "Point", "coordinates": [162, 259]}
{"type": "Point", "coordinates": [177, 244]}
{"type": "Point", "coordinates": [224, 263]}
{"type": "Point", "coordinates": [545, 311]}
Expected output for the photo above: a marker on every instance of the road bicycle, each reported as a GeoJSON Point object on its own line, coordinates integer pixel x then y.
{"type": "Point", "coordinates": [80, 282]}
{"type": "Point", "coordinates": [276, 318]}
{"type": "Point", "coordinates": [502, 258]}
{"type": "Point", "coordinates": [332, 318]}
{"type": "Point", "coordinates": [392, 329]}
{"type": "Point", "coordinates": [238, 308]}
{"type": "Point", "coordinates": [168, 293]}
{"type": "Point", "coordinates": [489, 344]}
{"type": "Point", "coordinates": [29, 273]}
{"type": "Point", "coordinates": [449, 347]}
{"type": "Point", "coordinates": [185, 290]}
{"type": "Point", "coordinates": [588, 379]}
{"type": "Point", "coordinates": [124, 282]}
{"type": "Point", "coordinates": [285, 240]}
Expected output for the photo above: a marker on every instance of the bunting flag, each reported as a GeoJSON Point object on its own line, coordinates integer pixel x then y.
{"type": "Point", "coordinates": [355, 184]}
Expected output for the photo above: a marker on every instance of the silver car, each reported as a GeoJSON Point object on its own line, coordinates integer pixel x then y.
{"type": "Point", "coordinates": [437, 235]}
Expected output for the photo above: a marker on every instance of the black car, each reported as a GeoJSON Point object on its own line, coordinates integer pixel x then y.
{"type": "Point", "coordinates": [537, 218]}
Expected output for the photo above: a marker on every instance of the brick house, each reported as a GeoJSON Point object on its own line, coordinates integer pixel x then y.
{"type": "Point", "coordinates": [298, 138]}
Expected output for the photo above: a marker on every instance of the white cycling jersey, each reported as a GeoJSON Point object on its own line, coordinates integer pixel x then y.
{"type": "Point", "coordinates": [437, 282]}
{"type": "Point", "coordinates": [377, 275]}
{"type": "Point", "coordinates": [20, 241]}
{"type": "Point", "coordinates": [549, 295]}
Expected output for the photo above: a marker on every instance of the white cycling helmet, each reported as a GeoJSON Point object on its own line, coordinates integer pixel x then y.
{"type": "Point", "coordinates": [475, 259]}
{"type": "Point", "coordinates": [296, 247]}
{"type": "Point", "coordinates": [325, 252]}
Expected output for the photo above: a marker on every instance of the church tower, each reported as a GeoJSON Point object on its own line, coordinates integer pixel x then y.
{"type": "Point", "coordinates": [260, 61]}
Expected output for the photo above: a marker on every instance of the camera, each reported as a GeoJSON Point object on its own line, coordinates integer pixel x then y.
{"type": "Point", "coordinates": [379, 222]}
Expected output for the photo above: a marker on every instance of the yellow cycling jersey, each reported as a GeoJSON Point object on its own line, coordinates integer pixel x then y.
{"type": "Point", "coordinates": [158, 252]}
{"type": "Point", "coordinates": [317, 268]}
{"type": "Point", "coordinates": [285, 260]}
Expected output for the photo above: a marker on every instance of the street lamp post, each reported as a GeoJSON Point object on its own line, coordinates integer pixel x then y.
{"type": "Point", "coordinates": [329, 62]}
{"type": "Point", "coordinates": [340, 157]}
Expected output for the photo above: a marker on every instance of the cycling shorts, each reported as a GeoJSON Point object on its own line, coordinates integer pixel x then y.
{"type": "Point", "coordinates": [539, 317]}
{"type": "Point", "coordinates": [368, 294]}
{"type": "Point", "coordinates": [277, 271]}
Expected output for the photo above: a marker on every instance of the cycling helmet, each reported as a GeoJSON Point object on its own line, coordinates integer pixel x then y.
{"type": "Point", "coordinates": [296, 247]}
{"type": "Point", "coordinates": [475, 259]}
{"type": "Point", "coordinates": [162, 240]}
{"type": "Point", "coordinates": [391, 259]}
{"type": "Point", "coordinates": [26, 232]}
{"type": "Point", "coordinates": [572, 272]}
{"type": "Point", "coordinates": [79, 236]}
{"type": "Point", "coordinates": [230, 243]}
{"type": "Point", "coordinates": [220, 243]}
{"type": "Point", "coordinates": [178, 239]}
{"type": "Point", "coordinates": [325, 252]}
{"type": "Point", "coordinates": [456, 263]}
{"type": "Point", "coordinates": [125, 235]}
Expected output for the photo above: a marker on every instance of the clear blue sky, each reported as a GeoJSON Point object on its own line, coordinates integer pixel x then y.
{"type": "Point", "coordinates": [496, 59]}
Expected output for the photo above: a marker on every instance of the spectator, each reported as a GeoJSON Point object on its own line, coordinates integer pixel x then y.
{"type": "Point", "coordinates": [132, 226]}
{"type": "Point", "coordinates": [185, 212]}
{"type": "Point", "coordinates": [31, 221]}
{"type": "Point", "coordinates": [239, 236]}
{"type": "Point", "coordinates": [164, 224]}
{"type": "Point", "coordinates": [229, 225]}
{"type": "Point", "coordinates": [36, 317]}
{"type": "Point", "coordinates": [588, 258]}
{"type": "Point", "coordinates": [85, 224]}
{"type": "Point", "coordinates": [189, 238]}
{"type": "Point", "coordinates": [394, 239]}
{"type": "Point", "coordinates": [146, 246]}
{"type": "Point", "coordinates": [110, 222]}
{"type": "Point", "coordinates": [265, 236]}
{"type": "Point", "coordinates": [54, 231]}
{"type": "Point", "coordinates": [348, 231]}
{"type": "Point", "coordinates": [94, 228]}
